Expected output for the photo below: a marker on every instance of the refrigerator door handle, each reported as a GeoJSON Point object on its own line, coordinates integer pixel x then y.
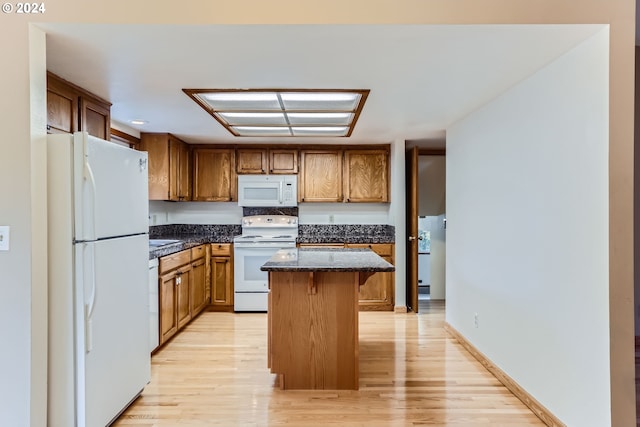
{"type": "Point", "coordinates": [88, 174]}
{"type": "Point", "coordinates": [90, 304]}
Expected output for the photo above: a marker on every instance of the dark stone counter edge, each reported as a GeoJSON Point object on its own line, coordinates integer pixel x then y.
{"type": "Point", "coordinates": [275, 269]}
{"type": "Point", "coordinates": [185, 243]}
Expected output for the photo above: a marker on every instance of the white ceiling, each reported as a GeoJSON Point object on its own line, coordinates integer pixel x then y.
{"type": "Point", "coordinates": [422, 77]}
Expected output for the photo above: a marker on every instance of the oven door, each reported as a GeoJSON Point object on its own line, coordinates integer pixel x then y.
{"type": "Point", "coordinates": [247, 262]}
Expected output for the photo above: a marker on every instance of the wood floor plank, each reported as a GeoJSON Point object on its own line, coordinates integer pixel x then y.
{"type": "Point", "coordinates": [214, 373]}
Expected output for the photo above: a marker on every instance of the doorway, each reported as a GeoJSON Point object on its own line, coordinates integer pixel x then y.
{"type": "Point", "coordinates": [426, 220]}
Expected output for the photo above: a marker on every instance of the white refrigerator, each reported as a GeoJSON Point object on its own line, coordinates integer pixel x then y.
{"type": "Point", "coordinates": [98, 246]}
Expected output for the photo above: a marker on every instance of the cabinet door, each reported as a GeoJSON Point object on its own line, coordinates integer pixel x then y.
{"type": "Point", "coordinates": [183, 296]}
{"type": "Point", "coordinates": [157, 146]}
{"type": "Point", "coordinates": [62, 106]}
{"type": "Point", "coordinates": [252, 161]}
{"type": "Point", "coordinates": [283, 161]}
{"type": "Point", "coordinates": [366, 176]}
{"type": "Point", "coordinates": [320, 176]}
{"type": "Point", "coordinates": [198, 286]}
{"type": "Point", "coordinates": [214, 177]}
{"type": "Point", "coordinates": [175, 147]}
{"type": "Point", "coordinates": [184, 172]}
{"type": "Point", "coordinates": [221, 281]}
{"type": "Point", "coordinates": [95, 117]}
{"type": "Point", "coordinates": [167, 307]}
{"type": "Point", "coordinates": [378, 292]}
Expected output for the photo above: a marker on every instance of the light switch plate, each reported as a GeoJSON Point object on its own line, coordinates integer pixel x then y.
{"type": "Point", "coordinates": [4, 237]}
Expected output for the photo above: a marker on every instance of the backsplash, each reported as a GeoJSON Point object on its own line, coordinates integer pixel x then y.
{"type": "Point", "coordinates": [308, 233]}
{"type": "Point", "coordinates": [346, 233]}
{"type": "Point", "coordinates": [269, 211]}
{"type": "Point", "coordinates": [221, 233]}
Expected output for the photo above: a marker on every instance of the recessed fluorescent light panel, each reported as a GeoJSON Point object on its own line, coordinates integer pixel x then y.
{"type": "Point", "coordinates": [283, 112]}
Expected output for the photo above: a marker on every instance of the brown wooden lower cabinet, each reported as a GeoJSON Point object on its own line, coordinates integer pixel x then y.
{"type": "Point", "coordinates": [168, 315]}
{"type": "Point", "coordinates": [379, 293]}
{"type": "Point", "coordinates": [182, 293]}
{"type": "Point", "coordinates": [198, 286]}
{"type": "Point", "coordinates": [222, 276]}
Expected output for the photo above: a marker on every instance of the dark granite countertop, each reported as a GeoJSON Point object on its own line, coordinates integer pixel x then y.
{"type": "Point", "coordinates": [191, 235]}
{"type": "Point", "coordinates": [330, 259]}
{"type": "Point", "coordinates": [184, 242]}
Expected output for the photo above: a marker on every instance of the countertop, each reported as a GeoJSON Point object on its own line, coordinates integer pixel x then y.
{"type": "Point", "coordinates": [326, 259]}
{"type": "Point", "coordinates": [182, 244]}
{"type": "Point", "coordinates": [190, 235]}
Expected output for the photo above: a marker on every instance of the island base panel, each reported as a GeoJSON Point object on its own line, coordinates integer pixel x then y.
{"type": "Point", "coordinates": [313, 329]}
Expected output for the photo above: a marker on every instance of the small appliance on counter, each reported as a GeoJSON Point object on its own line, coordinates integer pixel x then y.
{"type": "Point", "coordinates": [267, 190]}
{"type": "Point", "coordinates": [262, 236]}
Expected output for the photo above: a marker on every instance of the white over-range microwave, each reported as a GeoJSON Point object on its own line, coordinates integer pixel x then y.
{"type": "Point", "coordinates": [267, 190]}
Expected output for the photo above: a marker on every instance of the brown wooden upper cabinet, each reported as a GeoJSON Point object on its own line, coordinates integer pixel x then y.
{"type": "Point", "coordinates": [283, 161]}
{"type": "Point", "coordinates": [252, 161]}
{"type": "Point", "coordinates": [214, 175]}
{"type": "Point", "coordinates": [320, 178]}
{"type": "Point", "coordinates": [266, 160]}
{"type": "Point", "coordinates": [366, 176]}
{"type": "Point", "coordinates": [72, 109]}
{"type": "Point", "coordinates": [169, 166]}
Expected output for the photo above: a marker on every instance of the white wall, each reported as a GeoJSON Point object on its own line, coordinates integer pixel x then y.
{"type": "Point", "coordinates": [344, 213]}
{"type": "Point", "coordinates": [161, 213]}
{"type": "Point", "coordinates": [230, 213]}
{"type": "Point", "coordinates": [527, 233]}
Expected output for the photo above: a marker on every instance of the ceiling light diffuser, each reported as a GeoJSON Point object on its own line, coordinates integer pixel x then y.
{"type": "Point", "coordinates": [283, 112]}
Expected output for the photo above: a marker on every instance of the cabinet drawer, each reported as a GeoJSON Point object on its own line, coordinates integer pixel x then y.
{"type": "Point", "coordinates": [218, 249]}
{"type": "Point", "coordinates": [382, 249]}
{"type": "Point", "coordinates": [198, 252]}
{"type": "Point", "coordinates": [176, 260]}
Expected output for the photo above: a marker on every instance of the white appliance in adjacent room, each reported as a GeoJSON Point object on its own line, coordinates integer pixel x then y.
{"type": "Point", "coordinates": [262, 236]}
{"type": "Point", "coordinates": [267, 190]}
{"type": "Point", "coordinates": [98, 248]}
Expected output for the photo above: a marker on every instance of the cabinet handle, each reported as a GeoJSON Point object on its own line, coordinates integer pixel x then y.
{"type": "Point", "coordinates": [178, 280]}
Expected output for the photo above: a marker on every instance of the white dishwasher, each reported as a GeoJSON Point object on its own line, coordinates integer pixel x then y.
{"type": "Point", "coordinates": [154, 321]}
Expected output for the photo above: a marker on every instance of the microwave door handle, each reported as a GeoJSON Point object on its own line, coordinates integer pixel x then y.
{"type": "Point", "coordinates": [280, 192]}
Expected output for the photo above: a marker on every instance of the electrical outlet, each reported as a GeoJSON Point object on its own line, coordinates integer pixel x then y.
{"type": "Point", "coordinates": [4, 238]}
{"type": "Point", "coordinates": [475, 320]}
{"type": "Point", "coordinates": [331, 219]}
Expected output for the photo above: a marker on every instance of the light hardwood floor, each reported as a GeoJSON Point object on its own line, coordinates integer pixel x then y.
{"type": "Point", "coordinates": [411, 373]}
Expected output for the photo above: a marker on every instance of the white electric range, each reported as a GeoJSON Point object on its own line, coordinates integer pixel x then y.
{"type": "Point", "coordinates": [262, 236]}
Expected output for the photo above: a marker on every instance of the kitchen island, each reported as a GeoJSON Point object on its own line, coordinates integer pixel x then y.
{"type": "Point", "coordinates": [313, 315]}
